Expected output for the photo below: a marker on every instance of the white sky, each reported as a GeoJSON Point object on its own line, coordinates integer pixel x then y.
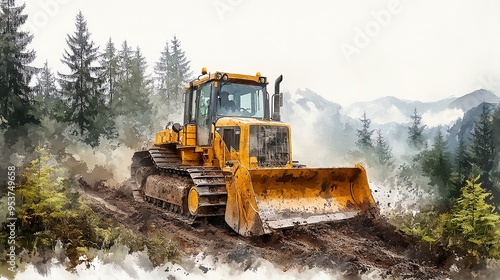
{"type": "Point", "coordinates": [416, 50]}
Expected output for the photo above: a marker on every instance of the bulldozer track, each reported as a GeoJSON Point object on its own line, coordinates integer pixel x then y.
{"type": "Point", "coordinates": [163, 163]}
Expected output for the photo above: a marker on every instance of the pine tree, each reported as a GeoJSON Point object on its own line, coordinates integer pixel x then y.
{"type": "Point", "coordinates": [161, 71]}
{"type": "Point", "coordinates": [495, 173]}
{"type": "Point", "coordinates": [462, 166]}
{"type": "Point", "coordinates": [125, 57]}
{"type": "Point", "coordinates": [474, 226]}
{"type": "Point", "coordinates": [437, 165]}
{"type": "Point", "coordinates": [415, 132]}
{"type": "Point", "coordinates": [109, 62]}
{"type": "Point", "coordinates": [83, 89]}
{"type": "Point", "coordinates": [140, 85]}
{"type": "Point", "coordinates": [179, 71]}
{"type": "Point", "coordinates": [47, 96]}
{"type": "Point", "coordinates": [382, 150]}
{"type": "Point", "coordinates": [172, 72]}
{"type": "Point", "coordinates": [364, 141]}
{"type": "Point", "coordinates": [482, 150]}
{"type": "Point", "coordinates": [133, 96]}
{"type": "Point", "coordinates": [16, 96]}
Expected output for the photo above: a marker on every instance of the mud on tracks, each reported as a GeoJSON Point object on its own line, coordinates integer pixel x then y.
{"type": "Point", "coordinates": [356, 246]}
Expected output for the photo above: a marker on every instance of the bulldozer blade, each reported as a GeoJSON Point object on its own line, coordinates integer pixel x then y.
{"type": "Point", "coordinates": [288, 197]}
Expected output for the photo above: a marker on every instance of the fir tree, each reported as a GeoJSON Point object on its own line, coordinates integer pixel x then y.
{"type": "Point", "coordinates": [482, 150]}
{"type": "Point", "coordinates": [382, 150]}
{"type": "Point", "coordinates": [179, 72]}
{"type": "Point", "coordinates": [161, 71]}
{"type": "Point", "coordinates": [124, 78]}
{"type": "Point", "coordinates": [474, 225]}
{"type": "Point", "coordinates": [83, 89]}
{"type": "Point", "coordinates": [462, 166]}
{"type": "Point", "coordinates": [109, 62]}
{"type": "Point", "coordinates": [364, 141]}
{"type": "Point", "coordinates": [415, 132]}
{"type": "Point", "coordinates": [172, 72]}
{"type": "Point", "coordinates": [16, 96]}
{"type": "Point", "coordinates": [495, 173]}
{"type": "Point", "coordinates": [47, 96]}
{"type": "Point", "coordinates": [134, 90]}
{"type": "Point", "coordinates": [437, 165]}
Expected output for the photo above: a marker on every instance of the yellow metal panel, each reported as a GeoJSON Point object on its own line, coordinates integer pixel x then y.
{"type": "Point", "coordinates": [242, 212]}
{"type": "Point", "coordinates": [213, 76]}
{"type": "Point", "coordinates": [190, 157]}
{"type": "Point", "coordinates": [189, 135]}
{"type": "Point", "coordinates": [268, 199]}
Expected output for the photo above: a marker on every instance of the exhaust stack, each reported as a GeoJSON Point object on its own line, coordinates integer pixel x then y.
{"type": "Point", "coordinates": [277, 99]}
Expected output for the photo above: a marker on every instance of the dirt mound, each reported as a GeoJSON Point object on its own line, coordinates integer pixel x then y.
{"type": "Point", "coordinates": [356, 246]}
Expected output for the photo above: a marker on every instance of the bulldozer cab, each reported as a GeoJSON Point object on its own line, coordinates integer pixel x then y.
{"type": "Point", "coordinates": [223, 95]}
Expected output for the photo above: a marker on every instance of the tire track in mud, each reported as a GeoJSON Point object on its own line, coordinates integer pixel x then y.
{"type": "Point", "coordinates": [360, 245]}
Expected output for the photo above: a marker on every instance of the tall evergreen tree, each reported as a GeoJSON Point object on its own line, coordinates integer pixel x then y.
{"type": "Point", "coordinates": [364, 141]}
{"type": "Point", "coordinates": [179, 72]}
{"type": "Point", "coordinates": [109, 62]}
{"type": "Point", "coordinates": [382, 150]}
{"type": "Point", "coordinates": [140, 84]}
{"type": "Point", "coordinates": [123, 85]}
{"type": "Point", "coordinates": [133, 104]}
{"type": "Point", "coordinates": [482, 150]}
{"type": "Point", "coordinates": [16, 96]}
{"type": "Point", "coordinates": [161, 71]}
{"type": "Point", "coordinates": [47, 95]}
{"type": "Point", "coordinates": [462, 166]}
{"type": "Point", "coordinates": [495, 174]}
{"type": "Point", "coordinates": [172, 72]}
{"type": "Point", "coordinates": [415, 132]}
{"type": "Point", "coordinates": [83, 89]}
{"type": "Point", "coordinates": [437, 166]}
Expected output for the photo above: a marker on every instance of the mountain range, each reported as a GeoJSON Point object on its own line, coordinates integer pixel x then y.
{"type": "Point", "coordinates": [330, 130]}
{"type": "Point", "coordinates": [442, 112]}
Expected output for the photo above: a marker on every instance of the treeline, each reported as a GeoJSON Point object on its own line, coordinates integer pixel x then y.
{"type": "Point", "coordinates": [103, 93]}
{"type": "Point", "coordinates": [464, 218]}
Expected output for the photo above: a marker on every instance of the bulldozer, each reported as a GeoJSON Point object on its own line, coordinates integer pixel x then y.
{"type": "Point", "coordinates": [232, 158]}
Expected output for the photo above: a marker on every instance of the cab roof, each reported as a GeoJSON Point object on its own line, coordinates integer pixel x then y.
{"type": "Point", "coordinates": [224, 76]}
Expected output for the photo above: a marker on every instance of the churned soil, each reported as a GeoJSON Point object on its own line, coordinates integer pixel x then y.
{"type": "Point", "coordinates": [366, 244]}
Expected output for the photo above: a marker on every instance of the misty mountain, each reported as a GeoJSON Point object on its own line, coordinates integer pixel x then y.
{"type": "Point", "coordinates": [310, 101]}
{"type": "Point", "coordinates": [392, 109]}
{"type": "Point", "coordinates": [321, 133]}
{"type": "Point", "coordinates": [442, 112]}
{"type": "Point", "coordinates": [324, 131]}
{"type": "Point", "coordinates": [474, 99]}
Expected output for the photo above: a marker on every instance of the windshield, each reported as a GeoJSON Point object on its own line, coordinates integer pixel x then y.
{"type": "Point", "coordinates": [241, 100]}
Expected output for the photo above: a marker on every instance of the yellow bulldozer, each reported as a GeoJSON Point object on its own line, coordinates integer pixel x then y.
{"type": "Point", "coordinates": [232, 158]}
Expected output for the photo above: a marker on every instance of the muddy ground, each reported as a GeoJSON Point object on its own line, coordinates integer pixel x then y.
{"type": "Point", "coordinates": [356, 246]}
